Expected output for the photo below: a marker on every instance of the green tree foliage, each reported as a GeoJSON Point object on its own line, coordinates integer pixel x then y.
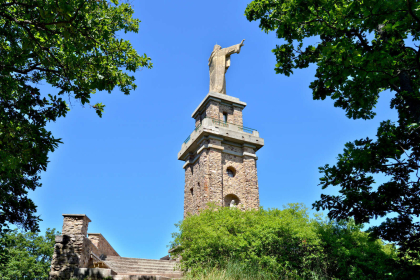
{"type": "Point", "coordinates": [73, 46]}
{"type": "Point", "coordinates": [28, 255]}
{"type": "Point", "coordinates": [281, 244]}
{"type": "Point", "coordinates": [365, 48]}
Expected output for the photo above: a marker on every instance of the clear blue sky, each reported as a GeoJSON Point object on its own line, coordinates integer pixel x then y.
{"type": "Point", "coordinates": [122, 170]}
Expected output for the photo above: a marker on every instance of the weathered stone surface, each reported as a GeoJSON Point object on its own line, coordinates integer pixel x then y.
{"type": "Point", "coordinates": [97, 273]}
{"type": "Point", "coordinates": [213, 149]}
{"type": "Point", "coordinates": [75, 224]}
{"type": "Point", "coordinates": [73, 250]}
{"type": "Point", "coordinates": [102, 244]}
{"type": "Point", "coordinates": [59, 239]}
{"type": "Point", "coordinates": [219, 63]}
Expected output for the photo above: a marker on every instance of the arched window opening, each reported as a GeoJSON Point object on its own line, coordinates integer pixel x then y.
{"type": "Point", "coordinates": [231, 172]}
{"type": "Point", "coordinates": [231, 200]}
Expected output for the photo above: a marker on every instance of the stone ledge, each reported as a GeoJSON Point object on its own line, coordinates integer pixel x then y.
{"type": "Point", "coordinates": [210, 130]}
{"type": "Point", "coordinates": [77, 215]}
{"type": "Point", "coordinates": [207, 146]}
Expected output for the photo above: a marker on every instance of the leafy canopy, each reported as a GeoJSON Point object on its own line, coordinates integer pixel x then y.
{"type": "Point", "coordinates": [364, 49]}
{"type": "Point", "coordinates": [28, 255]}
{"type": "Point", "coordinates": [72, 45]}
{"type": "Point", "coordinates": [281, 244]}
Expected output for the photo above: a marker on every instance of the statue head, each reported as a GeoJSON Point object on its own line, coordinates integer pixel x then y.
{"type": "Point", "coordinates": [217, 47]}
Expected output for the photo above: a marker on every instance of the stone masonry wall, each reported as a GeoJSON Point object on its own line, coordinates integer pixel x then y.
{"type": "Point", "coordinates": [70, 252]}
{"type": "Point", "coordinates": [102, 244]}
{"type": "Point", "coordinates": [223, 108]}
{"type": "Point", "coordinates": [234, 114]}
{"type": "Point", "coordinates": [208, 179]}
{"type": "Point", "coordinates": [196, 192]}
{"type": "Point", "coordinates": [216, 110]}
{"type": "Point", "coordinates": [237, 116]}
{"type": "Point", "coordinates": [212, 109]}
{"type": "Point", "coordinates": [73, 249]}
{"type": "Point", "coordinates": [215, 172]}
{"type": "Point", "coordinates": [75, 224]}
{"type": "Point", "coordinates": [251, 179]}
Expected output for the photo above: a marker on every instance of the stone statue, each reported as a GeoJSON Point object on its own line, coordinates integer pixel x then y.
{"type": "Point", "coordinates": [219, 63]}
{"type": "Point", "coordinates": [232, 203]}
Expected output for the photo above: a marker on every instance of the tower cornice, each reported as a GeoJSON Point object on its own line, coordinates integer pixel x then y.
{"type": "Point", "coordinates": [223, 131]}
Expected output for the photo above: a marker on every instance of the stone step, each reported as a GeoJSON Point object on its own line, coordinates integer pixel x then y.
{"type": "Point", "coordinates": [175, 275]}
{"type": "Point", "coordinates": [145, 277]}
{"type": "Point", "coordinates": [142, 268]}
{"type": "Point", "coordinates": [142, 271]}
{"type": "Point", "coordinates": [136, 259]}
{"type": "Point", "coordinates": [135, 268]}
{"type": "Point", "coordinates": [141, 264]}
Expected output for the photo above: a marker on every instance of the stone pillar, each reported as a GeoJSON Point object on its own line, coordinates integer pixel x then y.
{"type": "Point", "coordinates": [215, 170]}
{"type": "Point", "coordinates": [187, 190]}
{"type": "Point", "coordinates": [72, 248]}
{"type": "Point", "coordinates": [237, 115]}
{"type": "Point", "coordinates": [204, 177]}
{"type": "Point", "coordinates": [251, 178]}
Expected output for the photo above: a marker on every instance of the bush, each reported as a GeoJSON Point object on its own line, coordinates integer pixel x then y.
{"type": "Point", "coordinates": [234, 270]}
{"type": "Point", "coordinates": [285, 243]}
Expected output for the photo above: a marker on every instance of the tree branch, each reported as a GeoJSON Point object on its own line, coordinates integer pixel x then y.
{"type": "Point", "coordinates": [411, 12]}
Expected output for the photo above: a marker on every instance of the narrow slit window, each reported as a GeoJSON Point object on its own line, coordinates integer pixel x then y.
{"type": "Point", "coordinates": [225, 117]}
{"type": "Point", "coordinates": [192, 191]}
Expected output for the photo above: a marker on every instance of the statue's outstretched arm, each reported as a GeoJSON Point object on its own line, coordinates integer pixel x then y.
{"type": "Point", "coordinates": [235, 48]}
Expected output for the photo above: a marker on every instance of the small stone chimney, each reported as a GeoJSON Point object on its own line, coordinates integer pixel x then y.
{"type": "Point", "coordinates": [75, 224]}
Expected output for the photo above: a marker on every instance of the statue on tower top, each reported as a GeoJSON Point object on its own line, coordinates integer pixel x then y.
{"type": "Point", "coordinates": [219, 63]}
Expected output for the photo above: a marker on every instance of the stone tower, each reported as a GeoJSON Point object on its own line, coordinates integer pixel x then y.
{"type": "Point", "coordinates": [220, 160]}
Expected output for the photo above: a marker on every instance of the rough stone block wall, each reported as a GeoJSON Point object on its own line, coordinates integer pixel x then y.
{"type": "Point", "coordinates": [75, 225]}
{"type": "Point", "coordinates": [215, 172]}
{"type": "Point", "coordinates": [212, 109]}
{"type": "Point", "coordinates": [237, 116]}
{"type": "Point", "coordinates": [65, 257]}
{"type": "Point", "coordinates": [233, 185]}
{"type": "Point", "coordinates": [104, 248]}
{"type": "Point", "coordinates": [216, 109]}
{"type": "Point", "coordinates": [207, 178]}
{"type": "Point", "coordinates": [223, 108]}
{"type": "Point", "coordinates": [74, 250]}
{"type": "Point", "coordinates": [196, 192]}
{"type": "Point", "coordinates": [251, 179]}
